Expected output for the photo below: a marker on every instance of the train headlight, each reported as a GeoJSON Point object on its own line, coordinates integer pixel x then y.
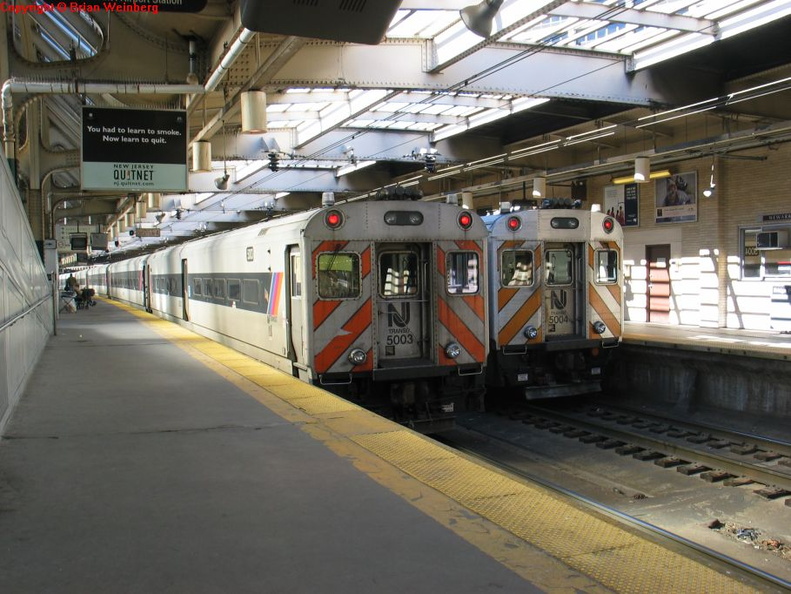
{"type": "Point", "coordinates": [599, 327]}
{"type": "Point", "coordinates": [453, 350]}
{"type": "Point", "coordinates": [514, 223]}
{"type": "Point", "coordinates": [357, 357]}
{"type": "Point", "coordinates": [465, 220]}
{"type": "Point", "coordinates": [531, 332]}
{"type": "Point", "coordinates": [608, 224]}
{"type": "Point", "coordinates": [333, 219]}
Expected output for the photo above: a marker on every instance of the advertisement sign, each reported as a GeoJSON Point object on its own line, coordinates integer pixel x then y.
{"type": "Point", "coordinates": [623, 204]}
{"type": "Point", "coordinates": [675, 198]}
{"type": "Point", "coordinates": [135, 150]}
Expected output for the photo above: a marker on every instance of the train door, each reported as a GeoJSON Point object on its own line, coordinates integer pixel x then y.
{"type": "Point", "coordinates": [146, 285]}
{"type": "Point", "coordinates": [294, 304]}
{"type": "Point", "coordinates": [563, 290]}
{"type": "Point", "coordinates": [403, 304]}
{"type": "Point", "coordinates": [185, 291]}
{"type": "Point", "coordinates": [658, 292]}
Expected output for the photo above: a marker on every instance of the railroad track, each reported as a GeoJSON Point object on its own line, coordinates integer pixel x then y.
{"type": "Point", "coordinates": [478, 446]}
{"type": "Point", "coordinates": [712, 453]}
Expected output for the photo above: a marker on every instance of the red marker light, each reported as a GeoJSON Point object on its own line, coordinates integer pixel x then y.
{"type": "Point", "coordinates": [465, 220]}
{"type": "Point", "coordinates": [608, 224]}
{"type": "Point", "coordinates": [333, 219]}
{"type": "Point", "coordinates": [514, 223]}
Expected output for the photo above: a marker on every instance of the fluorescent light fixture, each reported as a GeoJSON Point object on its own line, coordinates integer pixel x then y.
{"type": "Point", "coordinates": [629, 179]}
{"type": "Point", "coordinates": [445, 173]}
{"type": "Point", "coordinates": [346, 169]}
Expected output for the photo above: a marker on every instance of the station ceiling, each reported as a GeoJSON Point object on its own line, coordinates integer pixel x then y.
{"type": "Point", "coordinates": [362, 96]}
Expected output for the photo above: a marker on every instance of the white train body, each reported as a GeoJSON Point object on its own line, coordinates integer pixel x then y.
{"type": "Point", "coordinates": [382, 302]}
{"type": "Point", "coordinates": [556, 299]}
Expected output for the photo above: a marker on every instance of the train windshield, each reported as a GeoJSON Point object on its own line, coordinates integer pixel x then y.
{"type": "Point", "coordinates": [398, 274]}
{"type": "Point", "coordinates": [339, 275]}
{"type": "Point", "coordinates": [516, 268]}
{"type": "Point", "coordinates": [559, 267]}
{"type": "Point", "coordinates": [462, 271]}
{"type": "Point", "coordinates": [606, 266]}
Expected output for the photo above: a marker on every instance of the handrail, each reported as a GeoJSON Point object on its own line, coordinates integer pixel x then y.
{"type": "Point", "coordinates": [21, 315]}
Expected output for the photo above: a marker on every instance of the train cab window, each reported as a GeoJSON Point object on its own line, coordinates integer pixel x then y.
{"type": "Point", "coordinates": [234, 290]}
{"type": "Point", "coordinates": [463, 271]}
{"type": "Point", "coordinates": [516, 268]}
{"type": "Point", "coordinates": [219, 289]}
{"type": "Point", "coordinates": [398, 274]}
{"type": "Point", "coordinates": [338, 275]}
{"type": "Point", "coordinates": [197, 287]}
{"type": "Point", "coordinates": [559, 267]}
{"type": "Point", "coordinates": [606, 266]}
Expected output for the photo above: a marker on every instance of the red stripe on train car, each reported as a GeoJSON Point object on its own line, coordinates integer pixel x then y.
{"type": "Point", "coordinates": [322, 310]}
{"type": "Point", "coordinates": [358, 323]}
{"type": "Point", "coordinates": [460, 332]}
{"type": "Point", "coordinates": [365, 262]}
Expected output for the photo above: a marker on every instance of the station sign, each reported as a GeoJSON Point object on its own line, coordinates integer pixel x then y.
{"type": "Point", "coordinates": [134, 150]}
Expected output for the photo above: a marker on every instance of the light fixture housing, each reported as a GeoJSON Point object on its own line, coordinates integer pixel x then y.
{"type": "Point", "coordinates": [539, 186]}
{"type": "Point", "coordinates": [479, 18]}
{"type": "Point", "coordinates": [253, 107]}
{"type": "Point", "coordinates": [221, 182]}
{"type": "Point", "coordinates": [642, 170]}
{"type": "Point", "coordinates": [201, 155]}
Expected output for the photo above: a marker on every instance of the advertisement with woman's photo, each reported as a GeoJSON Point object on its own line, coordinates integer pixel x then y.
{"type": "Point", "coordinates": [675, 198]}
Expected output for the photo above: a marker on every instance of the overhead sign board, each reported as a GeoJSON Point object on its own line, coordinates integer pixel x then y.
{"type": "Point", "coordinates": [135, 150]}
{"type": "Point", "coordinates": [145, 5]}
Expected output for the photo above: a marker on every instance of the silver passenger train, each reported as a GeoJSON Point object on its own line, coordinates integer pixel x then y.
{"type": "Point", "coordinates": [556, 300]}
{"type": "Point", "coordinates": [408, 308]}
{"type": "Point", "coordinates": [381, 302]}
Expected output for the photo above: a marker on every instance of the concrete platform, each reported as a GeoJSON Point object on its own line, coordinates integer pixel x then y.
{"type": "Point", "coordinates": [143, 458]}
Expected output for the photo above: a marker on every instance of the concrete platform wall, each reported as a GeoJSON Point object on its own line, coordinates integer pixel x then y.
{"type": "Point", "coordinates": [689, 381]}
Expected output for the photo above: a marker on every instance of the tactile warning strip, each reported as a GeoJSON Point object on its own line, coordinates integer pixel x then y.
{"type": "Point", "coordinates": [587, 542]}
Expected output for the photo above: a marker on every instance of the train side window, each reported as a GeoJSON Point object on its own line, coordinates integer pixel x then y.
{"type": "Point", "coordinates": [463, 273]}
{"type": "Point", "coordinates": [251, 288]}
{"type": "Point", "coordinates": [398, 274]}
{"type": "Point", "coordinates": [338, 275]}
{"type": "Point", "coordinates": [219, 289]}
{"type": "Point", "coordinates": [234, 290]}
{"type": "Point", "coordinates": [296, 275]}
{"type": "Point", "coordinates": [606, 266]}
{"type": "Point", "coordinates": [559, 267]}
{"type": "Point", "coordinates": [516, 268]}
{"type": "Point", "coordinates": [197, 287]}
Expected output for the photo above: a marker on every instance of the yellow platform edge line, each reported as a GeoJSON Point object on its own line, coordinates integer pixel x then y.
{"type": "Point", "coordinates": [603, 555]}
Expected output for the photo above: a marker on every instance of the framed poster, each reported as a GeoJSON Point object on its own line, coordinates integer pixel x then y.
{"type": "Point", "coordinates": [676, 198]}
{"type": "Point", "coordinates": [622, 203]}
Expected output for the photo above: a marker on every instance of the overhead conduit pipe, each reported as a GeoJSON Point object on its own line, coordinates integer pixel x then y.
{"type": "Point", "coordinates": [14, 85]}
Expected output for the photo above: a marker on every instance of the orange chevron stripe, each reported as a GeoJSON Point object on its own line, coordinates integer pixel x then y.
{"type": "Point", "coordinates": [606, 315]}
{"type": "Point", "coordinates": [476, 304]}
{"type": "Point", "coordinates": [505, 295]}
{"type": "Point", "coordinates": [441, 261]}
{"type": "Point", "coordinates": [469, 245]}
{"type": "Point", "coordinates": [459, 330]}
{"type": "Point", "coordinates": [520, 318]}
{"type": "Point", "coordinates": [352, 330]}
